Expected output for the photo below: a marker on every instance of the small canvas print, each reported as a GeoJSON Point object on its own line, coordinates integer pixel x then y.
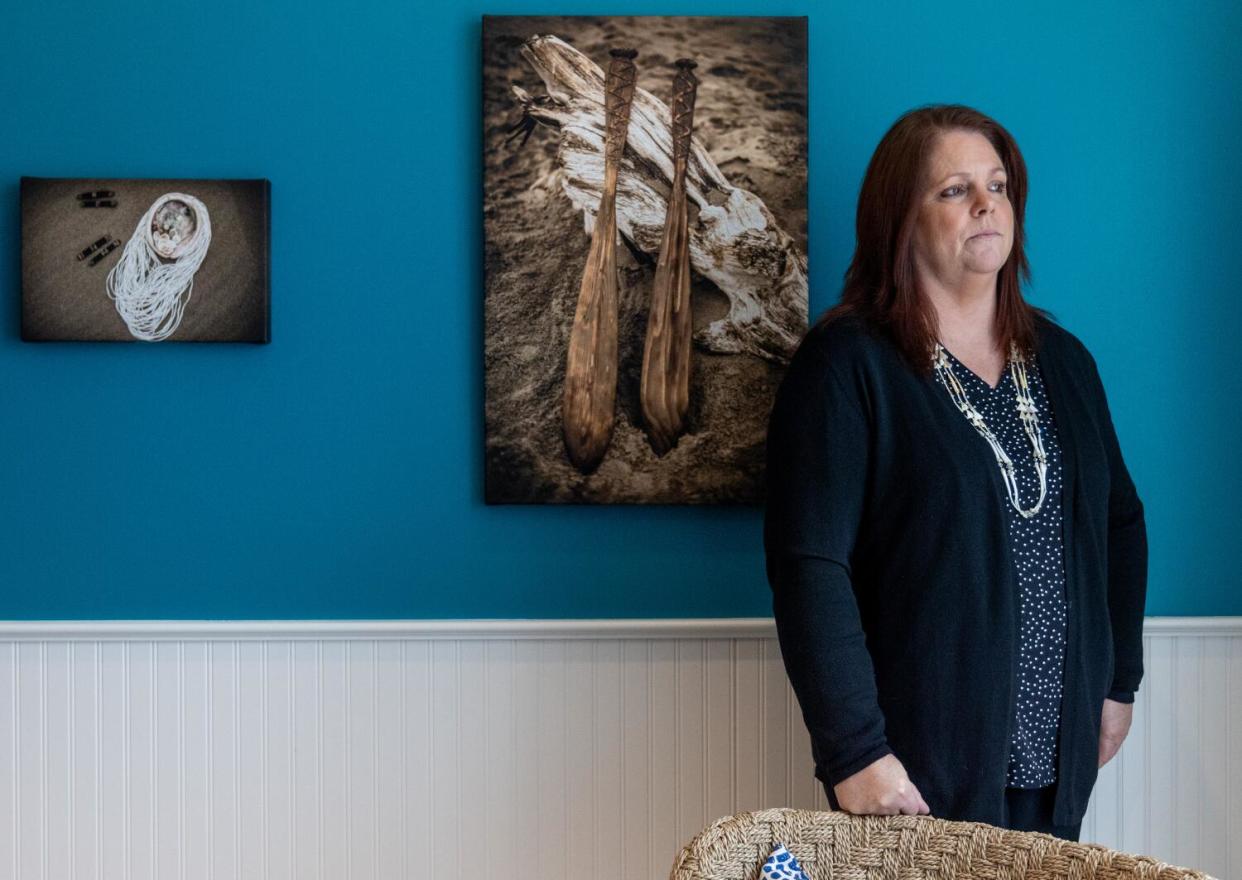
{"type": "Point", "coordinates": [645, 271]}
{"type": "Point", "coordinates": [145, 260]}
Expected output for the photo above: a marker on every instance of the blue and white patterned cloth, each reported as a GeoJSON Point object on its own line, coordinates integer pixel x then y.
{"type": "Point", "coordinates": [781, 865]}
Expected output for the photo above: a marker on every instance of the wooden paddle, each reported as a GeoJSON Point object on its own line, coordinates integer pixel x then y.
{"type": "Point", "coordinates": [665, 393]}
{"type": "Point", "coordinates": [591, 365]}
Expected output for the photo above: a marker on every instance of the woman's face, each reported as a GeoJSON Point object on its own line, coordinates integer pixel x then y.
{"type": "Point", "coordinates": [965, 220]}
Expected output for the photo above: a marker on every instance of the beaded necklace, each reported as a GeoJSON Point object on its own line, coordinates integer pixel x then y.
{"type": "Point", "coordinates": [1026, 411]}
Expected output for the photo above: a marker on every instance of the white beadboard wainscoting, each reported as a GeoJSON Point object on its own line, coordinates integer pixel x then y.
{"type": "Point", "coordinates": [516, 749]}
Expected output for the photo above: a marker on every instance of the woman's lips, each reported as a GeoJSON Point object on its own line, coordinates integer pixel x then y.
{"type": "Point", "coordinates": [983, 235]}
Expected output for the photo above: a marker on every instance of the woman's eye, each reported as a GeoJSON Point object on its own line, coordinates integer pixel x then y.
{"type": "Point", "coordinates": [957, 189]}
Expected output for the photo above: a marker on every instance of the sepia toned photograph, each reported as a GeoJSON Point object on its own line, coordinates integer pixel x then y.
{"type": "Point", "coordinates": [645, 272]}
{"type": "Point", "coordinates": [145, 260]}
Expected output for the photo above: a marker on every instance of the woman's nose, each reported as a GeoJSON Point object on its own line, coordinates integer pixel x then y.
{"type": "Point", "coordinates": [983, 205]}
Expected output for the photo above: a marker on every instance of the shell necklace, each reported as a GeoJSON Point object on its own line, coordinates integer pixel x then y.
{"type": "Point", "coordinates": [1026, 411]}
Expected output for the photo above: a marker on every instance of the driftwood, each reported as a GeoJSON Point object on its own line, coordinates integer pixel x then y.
{"type": "Point", "coordinates": [734, 240]}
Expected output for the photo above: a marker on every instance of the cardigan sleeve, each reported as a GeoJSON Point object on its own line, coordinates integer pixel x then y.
{"type": "Point", "coordinates": [1127, 561]}
{"type": "Point", "coordinates": [817, 451]}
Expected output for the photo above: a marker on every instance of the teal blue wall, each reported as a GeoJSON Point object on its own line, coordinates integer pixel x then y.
{"type": "Point", "coordinates": [338, 471]}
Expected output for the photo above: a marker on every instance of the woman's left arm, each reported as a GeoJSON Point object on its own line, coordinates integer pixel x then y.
{"type": "Point", "coordinates": [1127, 560]}
{"type": "Point", "coordinates": [1127, 585]}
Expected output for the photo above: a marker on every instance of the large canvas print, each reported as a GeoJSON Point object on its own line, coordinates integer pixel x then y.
{"type": "Point", "coordinates": [645, 273]}
{"type": "Point", "coordinates": [145, 260]}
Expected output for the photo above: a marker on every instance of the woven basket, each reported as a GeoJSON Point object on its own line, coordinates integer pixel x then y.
{"type": "Point", "coordinates": [843, 846]}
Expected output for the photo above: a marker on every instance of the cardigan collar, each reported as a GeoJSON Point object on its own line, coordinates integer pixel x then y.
{"type": "Point", "coordinates": [1056, 381]}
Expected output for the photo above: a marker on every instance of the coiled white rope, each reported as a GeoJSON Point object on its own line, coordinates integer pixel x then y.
{"type": "Point", "coordinates": [154, 278]}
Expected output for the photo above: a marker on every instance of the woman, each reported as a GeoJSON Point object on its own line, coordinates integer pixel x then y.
{"type": "Point", "coordinates": [957, 553]}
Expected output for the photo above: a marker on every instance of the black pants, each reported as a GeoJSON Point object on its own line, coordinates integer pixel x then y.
{"type": "Point", "coordinates": [1030, 809]}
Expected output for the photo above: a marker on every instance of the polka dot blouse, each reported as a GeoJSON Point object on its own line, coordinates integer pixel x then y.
{"type": "Point", "coordinates": [1036, 549]}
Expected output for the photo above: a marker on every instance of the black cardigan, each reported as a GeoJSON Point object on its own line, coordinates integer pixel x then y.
{"type": "Point", "coordinates": [894, 593]}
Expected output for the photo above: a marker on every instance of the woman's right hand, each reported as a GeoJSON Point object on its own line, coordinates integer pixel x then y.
{"type": "Point", "coordinates": [882, 788]}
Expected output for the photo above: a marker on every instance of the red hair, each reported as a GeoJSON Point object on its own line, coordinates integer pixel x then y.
{"type": "Point", "coordinates": [881, 284]}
